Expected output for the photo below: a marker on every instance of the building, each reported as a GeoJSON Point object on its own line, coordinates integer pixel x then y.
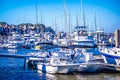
{"type": "Point", "coordinates": [117, 38]}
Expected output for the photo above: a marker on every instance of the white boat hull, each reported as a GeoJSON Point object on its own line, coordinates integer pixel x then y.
{"type": "Point", "coordinates": [89, 67]}
{"type": "Point", "coordinates": [111, 58]}
{"type": "Point", "coordinates": [63, 69]}
{"type": "Point", "coordinates": [83, 44]}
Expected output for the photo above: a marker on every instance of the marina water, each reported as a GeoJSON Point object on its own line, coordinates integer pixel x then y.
{"type": "Point", "coordinates": [12, 69]}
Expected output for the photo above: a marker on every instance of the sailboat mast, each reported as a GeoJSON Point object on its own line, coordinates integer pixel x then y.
{"type": "Point", "coordinates": [65, 15]}
{"type": "Point", "coordinates": [95, 24]}
{"type": "Point", "coordinates": [84, 20]}
{"type": "Point", "coordinates": [36, 15]}
{"type": "Point", "coordinates": [41, 16]}
{"type": "Point", "coordinates": [55, 21]}
{"type": "Point", "coordinates": [69, 22]}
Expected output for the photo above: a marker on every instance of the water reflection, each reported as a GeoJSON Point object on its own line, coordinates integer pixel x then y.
{"type": "Point", "coordinates": [47, 76]}
{"type": "Point", "coordinates": [58, 76]}
{"type": "Point", "coordinates": [89, 76]}
{"type": "Point", "coordinates": [81, 76]}
{"type": "Point", "coordinates": [97, 76]}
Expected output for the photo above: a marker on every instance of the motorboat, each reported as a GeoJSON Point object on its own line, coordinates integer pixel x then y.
{"type": "Point", "coordinates": [89, 64]}
{"type": "Point", "coordinates": [59, 61]}
{"type": "Point", "coordinates": [111, 58]}
{"type": "Point", "coordinates": [57, 66]}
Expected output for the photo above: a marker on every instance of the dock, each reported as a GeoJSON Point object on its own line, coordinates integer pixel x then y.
{"type": "Point", "coordinates": [26, 58]}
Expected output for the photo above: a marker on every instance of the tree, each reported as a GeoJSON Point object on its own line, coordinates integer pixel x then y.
{"type": "Point", "coordinates": [41, 27]}
{"type": "Point", "coordinates": [3, 23]}
{"type": "Point", "coordinates": [49, 29]}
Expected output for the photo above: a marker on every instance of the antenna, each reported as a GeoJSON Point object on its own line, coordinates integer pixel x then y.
{"type": "Point", "coordinates": [83, 18]}
{"type": "Point", "coordinates": [81, 10]}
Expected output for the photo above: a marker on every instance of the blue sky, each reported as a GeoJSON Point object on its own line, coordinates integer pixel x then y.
{"type": "Point", "coordinates": [20, 11]}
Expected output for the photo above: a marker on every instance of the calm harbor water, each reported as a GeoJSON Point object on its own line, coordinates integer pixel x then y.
{"type": "Point", "coordinates": [12, 69]}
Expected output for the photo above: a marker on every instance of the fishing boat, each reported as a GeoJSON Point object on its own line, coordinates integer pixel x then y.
{"type": "Point", "coordinates": [82, 39]}
{"type": "Point", "coordinates": [111, 57]}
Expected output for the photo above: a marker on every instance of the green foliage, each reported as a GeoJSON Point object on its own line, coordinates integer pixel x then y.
{"type": "Point", "coordinates": [3, 23]}
{"type": "Point", "coordinates": [27, 24]}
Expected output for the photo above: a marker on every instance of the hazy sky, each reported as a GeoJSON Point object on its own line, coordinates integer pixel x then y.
{"type": "Point", "coordinates": [20, 11]}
